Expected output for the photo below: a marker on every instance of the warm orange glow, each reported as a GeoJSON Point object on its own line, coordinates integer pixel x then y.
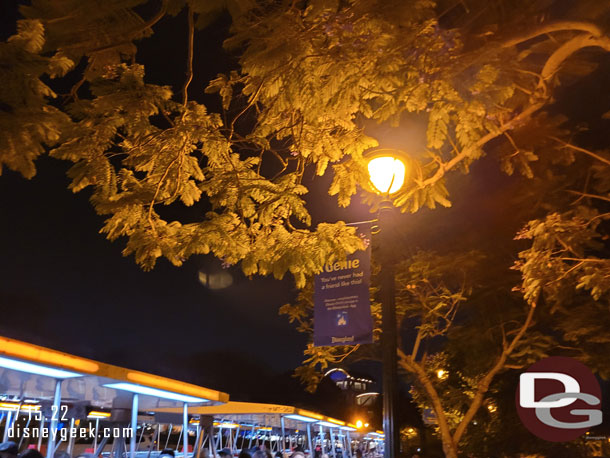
{"type": "Point", "coordinates": [98, 414]}
{"type": "Point", "coordinates": [42, 355]}
{"type": "Point", "coordinates": [15, 406]}
{"type": "Point", "coordinates": [307, 413]}
{"type": "Point", "coordinates": [226, 425]}
{"type": "Point", "coordinates": [387, 174]}
{"type": "Point", "coordinates": [442, 374]}
{"type": "Point", "coordinates": [359, 424]}
{"type": "Point", "coordinates": [336, 422]}
{"type": "Point", "coordinates": [175, 386]}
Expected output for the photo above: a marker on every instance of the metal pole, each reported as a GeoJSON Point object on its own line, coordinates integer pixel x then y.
{"type": "Point", "coordinates": [198, 440]}
{"type": "Point", "coordinates": [185, 428]}
{"type": "Point", "coordinates": [309, 440]}
{"type": "Point", "coordinates": [212, 441]}
{"type": "Point", "coordinates": [134, 426]}
{"type": "Point", "coordinates": [179, 439]}
{"type": "Point", "coordinates": [349, 443]}
{"type": "Point", "coordinates": [251, 437]}
{"type": "Point", "coordinates": [283, 434]}
{"type": "Point", "coordinates": [101, 446]}
{"type": "Point", "coordinates": [170, 429]}
{"type": "Point", "coordinates": [388, 332]}
{"type": "Point", "coordinates": [332, 442]}
{"type": "Point", "coordinates": [236, 437]}
{"type": "Point", "coordinates": [158, 436]}
{"type": "Point", "coordinates": [71, 440]}
{"type": "Point", "coordinates": [27, 427]}
{"type": "Point", "coordinates": [322, 445]}
{"type": "Point", "coordinates": [41, 427]}
{"type": "Point", "coordinates": [18, 412]}
{"type": "Point", "coordinates": [7, 425]}
{"type": "Point", "coordinates": [97, 427]}
{"type": "Point", "coordinates": [141, 436]}
{"type": "Point", "coordinates": [54, 418]}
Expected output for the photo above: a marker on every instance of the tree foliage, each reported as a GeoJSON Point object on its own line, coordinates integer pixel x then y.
{"type": "Point", "coordinates": [310, 75]}
{"type": "Point", "coordinates": [554, 298]}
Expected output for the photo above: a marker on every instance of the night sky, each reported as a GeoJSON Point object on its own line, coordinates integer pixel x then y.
{"type": "Point", "coordinates": [63, 285]}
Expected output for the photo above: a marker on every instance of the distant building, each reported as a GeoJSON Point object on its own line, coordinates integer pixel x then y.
{"type": "Point", "coordinates": [359, 392]}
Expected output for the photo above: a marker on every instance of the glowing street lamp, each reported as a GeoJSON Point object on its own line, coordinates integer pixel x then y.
{"type": "Point", "coordinates": [387, 174]}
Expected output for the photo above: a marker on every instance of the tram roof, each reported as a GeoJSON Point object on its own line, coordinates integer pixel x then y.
{"type": "Point", "coordinates": [30, 371]}
{"type": "Point", "coordinates": [250, 414]}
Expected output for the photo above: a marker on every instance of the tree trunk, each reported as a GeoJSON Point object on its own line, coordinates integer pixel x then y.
{"type": "Point", "coordinates": [449, 447]}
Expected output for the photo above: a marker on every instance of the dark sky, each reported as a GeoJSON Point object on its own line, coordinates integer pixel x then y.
{"type": "Point", "coordinates": [64, 286]}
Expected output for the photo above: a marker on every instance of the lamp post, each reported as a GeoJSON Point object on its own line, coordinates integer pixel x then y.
{"type": "Point", "coordinates": [387, 175]}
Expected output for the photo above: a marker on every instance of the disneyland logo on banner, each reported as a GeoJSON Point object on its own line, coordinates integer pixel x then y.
{"type": "Point", "coordinates": [559, 399]}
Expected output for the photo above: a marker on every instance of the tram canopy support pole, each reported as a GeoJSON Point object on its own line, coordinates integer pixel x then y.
{"type": "Point", "coordinates": [170, 429]}
{"type": "Point", "coordinates": [134, 426]}
{"type": "Point", "coordinates": [54, 417]}
{"type": "Point", "coordinates": [251, 437]}
{"type": "Point", "coordinates": [283, 435]}
{"type": "Point", "coordinates": [198, 440]}
{"type": "Point", "coordinates": [322, 440]}
{"type": "Point", "coordinates": [212, 440]}
{"type": "Point", "coordinates": [236, 437]}
{"type": "Point", "coordinates": [309, 440]}
{"type": "Point", "coordinates": [140, 439]}
{"type": "Point", "coordinates": [156, 438]}
{"type": "Point", "coordinates": [41, 427]}
{"type": "Point", "coordinates": [27, 427]}
{"type": "Point", "coordinates": [7, 425]}
{"type": "Point", "coordinates": [179, 439]}
{"type": "Point", "coordinates": [185, 430]}
{"type": "Point", "coordinates": [348, 439]}
{"type": "Point", "coordinates": [71, 440]}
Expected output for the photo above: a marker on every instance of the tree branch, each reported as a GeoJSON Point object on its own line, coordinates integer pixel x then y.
{"type": "Point", "coordinates": [560, 26]}
{"type": "Point", "coordinates": [148, 24]}
{"type": "Point", "coordinates": [449, 444]}
{"type": "Point", "coordinates": [416, 345]}
{"type": "Point", "coordinates": [483, 385]}
{"type": "Point", "coordinates": [189, 65]}
{"type": "Point", "coordinates": [582, 150]}
{"type": "Point", "coordinates": [466, 152]}
{"type": "Point", "coordinates": [550, 68]}
{"type": "Point", "coordinates": [592, 196]}
{"type": "Point", "coordinates": [562, 53]}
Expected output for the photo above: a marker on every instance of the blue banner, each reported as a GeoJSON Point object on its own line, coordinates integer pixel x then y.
{"type": "Point", "coordinates": [342, 304]}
